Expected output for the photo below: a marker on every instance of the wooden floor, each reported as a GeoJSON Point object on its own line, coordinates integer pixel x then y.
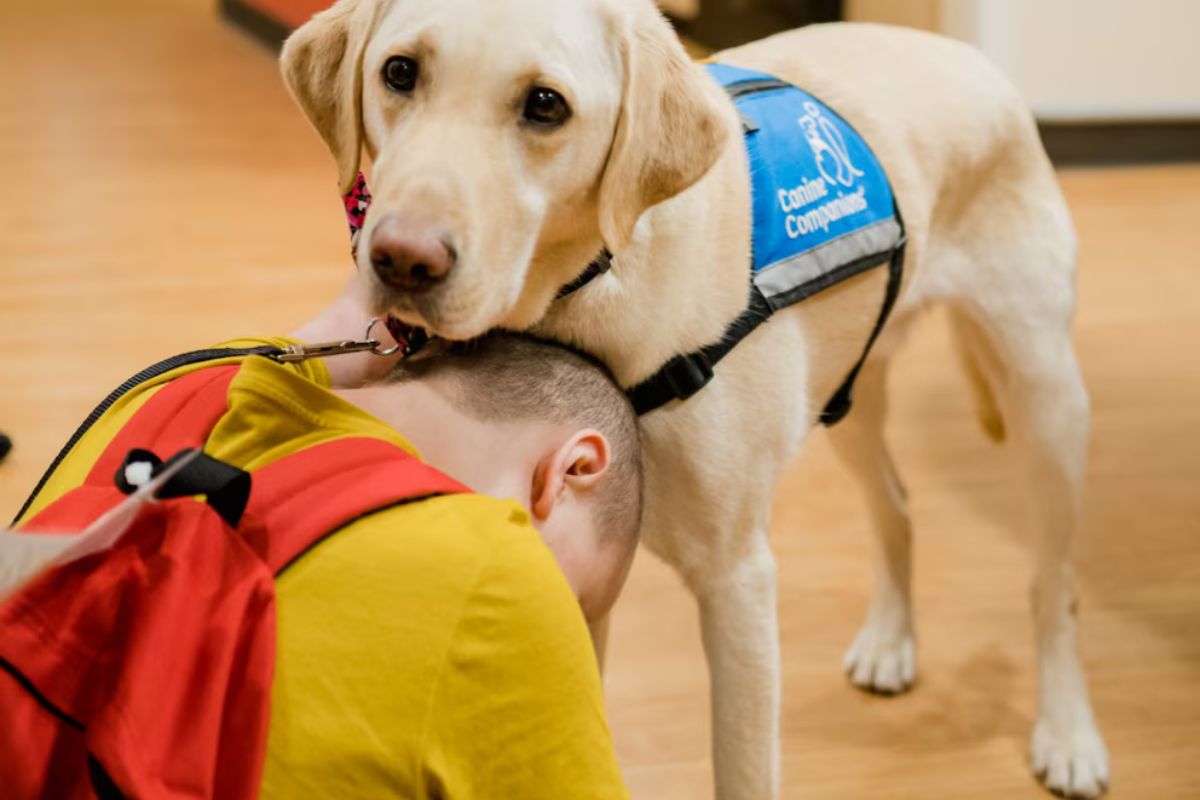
{"type": "Point", "coordinates": [162, 193]}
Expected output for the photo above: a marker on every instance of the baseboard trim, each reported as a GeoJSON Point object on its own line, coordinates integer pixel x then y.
{"type": "Point", "coordinates": [1148, 142]}
{"type": "Point", "coordinates": [263, 27]}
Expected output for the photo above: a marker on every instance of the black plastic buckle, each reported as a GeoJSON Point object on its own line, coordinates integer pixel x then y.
{"type": "Point", "coordinates": [225, 488]}
{"type": "Point", "coordinates": [688, 374]}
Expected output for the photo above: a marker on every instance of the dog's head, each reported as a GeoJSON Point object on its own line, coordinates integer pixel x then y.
{"type": "Point", "coordinates": [508, 140]}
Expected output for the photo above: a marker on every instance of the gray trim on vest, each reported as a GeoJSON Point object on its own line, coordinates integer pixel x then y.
{"type": "Point", "coordinates": [787, 276]}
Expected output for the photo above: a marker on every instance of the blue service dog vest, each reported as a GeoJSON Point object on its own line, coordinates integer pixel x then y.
{"type": "Point", "coordinates": [823, 206]}
{"type": "Point", "coordinates": [823, 212]}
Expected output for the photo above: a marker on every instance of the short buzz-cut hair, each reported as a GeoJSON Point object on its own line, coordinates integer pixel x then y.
{"type": "Point", "coordinates": [513, 377]}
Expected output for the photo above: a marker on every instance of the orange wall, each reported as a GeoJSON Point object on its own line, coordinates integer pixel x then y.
{"type": "Point", "coordinates": [295, 13]}
{"type": "Point", "coordinates": [292, 13]}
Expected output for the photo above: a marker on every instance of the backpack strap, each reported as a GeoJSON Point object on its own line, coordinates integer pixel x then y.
{"type": "Point", "coordinates": [299, 500]}
{"type": "Point", "coordinates": [179, 416]}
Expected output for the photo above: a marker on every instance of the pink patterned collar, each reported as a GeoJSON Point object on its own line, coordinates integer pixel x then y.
{"type": "Point", "coordinates": [357, 201]}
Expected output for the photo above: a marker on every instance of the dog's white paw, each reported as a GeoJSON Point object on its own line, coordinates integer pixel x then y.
{"type": "Point", "coordinates": [1072, 762]}
{"type": "Point", "coordinates": [881, 660]}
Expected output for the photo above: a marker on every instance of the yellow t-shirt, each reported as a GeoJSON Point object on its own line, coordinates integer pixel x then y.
{"type": "Point", "coordinates": [429, 650]}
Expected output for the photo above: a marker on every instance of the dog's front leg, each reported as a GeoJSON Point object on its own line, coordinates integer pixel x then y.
{"type": "Point", "coordinates": [741, 639]}
{"type": "Point", "coordinates": [712, 464]}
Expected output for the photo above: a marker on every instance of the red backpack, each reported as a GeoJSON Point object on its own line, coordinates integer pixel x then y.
{"type": "Point", "coordinates": [145, 670]}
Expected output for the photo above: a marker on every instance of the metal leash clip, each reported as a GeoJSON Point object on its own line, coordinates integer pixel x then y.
{"type": "Point", "coordinates": [294, 353]}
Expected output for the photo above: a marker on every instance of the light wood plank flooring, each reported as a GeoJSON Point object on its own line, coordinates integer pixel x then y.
{"type": "Point", "coordinates": [161, 192]}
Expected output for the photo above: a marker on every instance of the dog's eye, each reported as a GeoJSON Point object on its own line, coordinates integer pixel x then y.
{"type": "Point", "coordinates": [400, 74]}
{"type": "Point", "coordinates": [546, 107]}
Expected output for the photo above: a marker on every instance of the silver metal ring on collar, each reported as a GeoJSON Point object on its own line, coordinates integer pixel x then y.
{"type": "Point", "coordinates": [377, 350]}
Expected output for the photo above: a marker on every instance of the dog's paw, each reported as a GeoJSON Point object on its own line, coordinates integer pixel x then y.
{"type": "Point", "coordinates": [1071, 763]}
{"type": "Point", "coordinates": [881, 661]}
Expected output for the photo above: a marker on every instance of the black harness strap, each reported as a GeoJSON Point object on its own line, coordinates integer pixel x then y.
{"type": "Point", "coordinates": [600, 265]}
{"type": "Point", "coordinates": [684, 375]}
{"type": "Point", "coordinates": [839, 405]}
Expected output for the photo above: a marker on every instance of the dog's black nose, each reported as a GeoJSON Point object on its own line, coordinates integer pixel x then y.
{"type": "Point", "coordinates": [409, 258]}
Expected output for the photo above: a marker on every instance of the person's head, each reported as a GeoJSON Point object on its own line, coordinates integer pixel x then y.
{"type": "Point", "coordinates": [511, 416]}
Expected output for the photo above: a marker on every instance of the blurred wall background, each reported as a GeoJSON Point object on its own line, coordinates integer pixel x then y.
{"type": "Point", "coordinates": [1110, 80]}
{"type": "Point", "coordinates": [1091, 60]}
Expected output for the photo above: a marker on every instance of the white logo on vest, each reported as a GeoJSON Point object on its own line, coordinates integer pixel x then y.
{"type": "Point", "coordinates": [828, 146]}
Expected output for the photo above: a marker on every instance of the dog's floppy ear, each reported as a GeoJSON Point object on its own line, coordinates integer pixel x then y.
{"type": "Point", "coordinates": [670, 131]}
{"type": "Point", "coordinates": [322, 66]}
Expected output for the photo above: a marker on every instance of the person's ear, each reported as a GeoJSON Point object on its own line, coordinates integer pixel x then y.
{"type": "Point", "coordinates": [670, 130]}
{"type": "Point", "coordinates": [322, 66]}
{"type": "Point", "coordinates": [578, 465]}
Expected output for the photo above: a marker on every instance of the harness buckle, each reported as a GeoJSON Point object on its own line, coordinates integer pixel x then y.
{"type": "Point", "coordinates": [687, 374]}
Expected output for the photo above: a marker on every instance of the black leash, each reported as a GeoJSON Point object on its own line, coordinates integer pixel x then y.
{"type": "Point", "coordinates": [150, 373]}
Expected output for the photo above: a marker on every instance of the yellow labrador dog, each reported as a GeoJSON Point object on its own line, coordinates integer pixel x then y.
{"type": "Point", "coordinates": [512, 141]}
